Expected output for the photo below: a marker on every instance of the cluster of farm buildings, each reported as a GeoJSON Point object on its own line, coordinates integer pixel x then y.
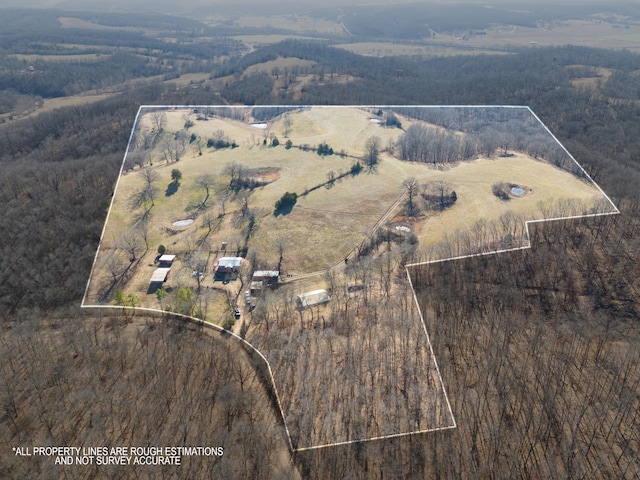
{"type": "Point", "coordinates": [228, 268]}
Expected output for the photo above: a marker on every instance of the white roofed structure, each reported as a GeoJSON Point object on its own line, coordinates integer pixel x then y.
{"type": "Point", "coordinates": [228, 264]}
{"type": "Point", "coordinates": [160, 275]}
{"type": "Point", "coordinates": [166, 259]}
{"type": "Point", "coordinates": [312, 298]}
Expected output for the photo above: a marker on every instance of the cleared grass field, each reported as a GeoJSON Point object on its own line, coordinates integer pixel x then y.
{"type": "Point", "coordinates": [269, 39]}
{"type": "Point", "coordinates": [550, 187]}
{"type": "Point", "coordinates": [296, 23]}
{"type": "Point", "coordinates": [586, 32]}
{"type": "Point", "coordinates": [385, 49]}
{"type": "Point", "coordinates": [280, 63]}
{"type": "Point", "coordinates": [81, 57]}
{"type": "Point", "coordinates": [330, 219]}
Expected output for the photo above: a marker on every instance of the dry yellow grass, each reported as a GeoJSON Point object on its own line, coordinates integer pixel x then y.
{"type": "Point", "coordinates": [268, 39]}
{"type": "Point", "coordinates": [53, 103]}
{"type": "Point", "coordinates": [587, 32]}
{"type": "Point", "coordinates": [188, 78]}
{"type": "Point", "coordinates": [327, 223]}
{"type": "Point", "coordinates": [385, 49]}
{"type": "Point", "coordinates": [280, 63]}
{"type": "Point", "coordinates": [73, 22]}
{"type": "Point", "coordinates": [472, 184]}
{"type": "Point", "coordinates": [86, 57]}
{"type": "Point", "coordinates": [296, 23]}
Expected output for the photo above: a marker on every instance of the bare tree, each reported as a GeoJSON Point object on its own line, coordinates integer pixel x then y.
{"type": "Point", "coordinates": [159, 120]}
{"type": "Point", "coordinates": [197, 261]}
{"type": "Point", "coordinates": [222, 199]}
{"type": "Point", "coordinates": [136, 158]}
{"type": "Point", "coordinates": [149, 191]}
{"type": "Point", "coordinates": [286, 126]}
{"type": "Point", "coordinates": [150, 176]}
{"type": "Point", "coordinates": [372, 151]}
{"type": "Point", "coordinates": [331, 177]}
{"type": "Point", "coordinates": [205, 181]}
{"type": "Point", "coordinates": [412, 186]}
{"type": "Point", "coordinates": [116, 266]}
{"type": "Point", "coordinates": [146, 139]}
{"type": "Point", "coordinates": [130, 242]}
{"type": "Point", "coordinates": [173, 150]}
{"type": "Point", "coordinates": [143, 229]}
{"type": "Point", "coordinates": [243, 199]}
{"type": "Point", "coordinates": [281, 243]}
{"type": "Point", "coordinates": [210, 222]}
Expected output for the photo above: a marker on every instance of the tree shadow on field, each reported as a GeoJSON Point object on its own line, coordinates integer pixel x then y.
{"type": "Point", "coordinates": [171, 189]}
{"type": "Point", "coordinates": [285, 210]}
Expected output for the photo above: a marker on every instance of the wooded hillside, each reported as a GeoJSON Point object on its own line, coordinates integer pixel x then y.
{"type": "Point", "coordinates": [538, 349]}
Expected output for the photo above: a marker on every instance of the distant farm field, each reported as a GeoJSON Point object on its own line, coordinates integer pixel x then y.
{"type": "Point", "coordinates": [296, 23]}
{"type": "Point", "coordinates": [385, 49]}
{"type": "Point", "coordinates": [81, 57]}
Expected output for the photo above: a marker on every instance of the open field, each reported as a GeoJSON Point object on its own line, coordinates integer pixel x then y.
{"type": "Point", "coordinates": [331, 219]}
{"type": "Point", "coordinates": [280, 63]}
{"type": "Point", "coordinates": [73, 22]}
{"type": "Point", "coordinates": [80, 57]}
{"type": "Point", "coordinates": [550, 190]}
{"type": "Point", "coordinates": [297, 23]}
{"type": "Point", "coordinates": [256, 40]}
{"type": "Point", "coordinates": [340, 236]}
{"type": "Point", "coordinates": [387, 49]}
{"type": "Point", "coordinates": [589, 32]}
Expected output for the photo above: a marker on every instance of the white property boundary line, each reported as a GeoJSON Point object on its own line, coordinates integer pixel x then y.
{"type": "Point", "coordinates": [219, 329]}
{"type": "Point", "coordinates": [407, 267]}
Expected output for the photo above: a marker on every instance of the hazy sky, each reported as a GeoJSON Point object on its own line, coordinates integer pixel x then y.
{"type": "Point", "coordinates": [296, 5]}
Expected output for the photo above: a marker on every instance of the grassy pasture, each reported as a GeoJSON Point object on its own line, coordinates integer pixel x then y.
{"type": "Point", "coordinates": [256, 40]}
{"type": "Point", "coordinates": [328, 222]}
{"type": "Point", "coordinates": [73, 22]}
{"type": "Point", "coordinates": [472, 183]}
{"type": "Point", "coordinates": [53, 103]}
{"type": "Point", "coordinates": [280, 63]}
{"type": "Point", "coordinates": [81, 57]}
{"type": "Point", "coordinates": [333, 218]}
{"type": "Point", "coordinates": [295, 23]}
{"type": "Point", "coordinates": [587, 32]}
{"type": "Point", "coordinates": [188, 78]}
{"type": "Point", "coordinates": [385, 49]}
{"type": "Point", "coordinates": [603, 75]}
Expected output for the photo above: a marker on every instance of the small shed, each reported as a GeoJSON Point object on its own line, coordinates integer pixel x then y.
{"type": "Point", "coordinates": [256, 287]}
{"type": "Point", "coordinates": [160, 275]}
{"type": "Point", "coordinates": [267, 276]}
{"type": "Point", "coordinates": [166, 260]}
{"type": "Point", "coordinates": [313, 298]}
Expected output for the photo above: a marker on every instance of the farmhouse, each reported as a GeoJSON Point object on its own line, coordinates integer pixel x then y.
{"type": "Point", "coordinates": [313, 298]}
{"type": "Point", "coordinates": [160, 275]}
{"type": "Point", "coordinates": [226, 268]}
{"type": "Point", "coordinates": [227, 265]}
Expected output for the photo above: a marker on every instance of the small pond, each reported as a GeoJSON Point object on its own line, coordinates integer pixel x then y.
{"type": "Point", "coordinates": [183, 223]}
{"type": "Point", "coordinates": [517, 191]}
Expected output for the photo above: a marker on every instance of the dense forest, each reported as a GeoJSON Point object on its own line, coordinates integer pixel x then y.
{"type": "Point", "coordinates": [538, 349]}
